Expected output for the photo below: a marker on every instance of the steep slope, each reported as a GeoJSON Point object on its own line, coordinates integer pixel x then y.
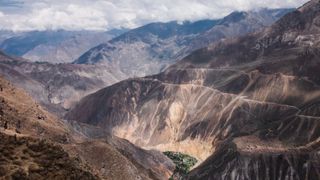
{"type": "Point", "coordinates": [188, 118]}
{"type": "Point", "coordinates": [258, 161]}
{"type": "Point", "coordinates": [151, 48]}
{"type": "Point", "coordinates": [64, 147]}
{"type": "Point", "coordinates": [147, 49]}
{"type": "Point", "coordinates": [250, 104]}
{"type": "Point", "coordinates": [238, 24]}
{"type": "Point", "coordinates": [57, 85]}
{"type": "Point", "coordinates": [22, 155]}
{"type": "Point", "coordinates": [54, 46]}
{"type": "Point", "coordinates": [27, 158]}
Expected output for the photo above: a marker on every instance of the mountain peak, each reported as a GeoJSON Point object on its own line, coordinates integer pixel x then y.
{"type": "Point", "coordinates": [311, 5]}
{"type": "Point", "coordinates": [234, 17]}
{"type": "Point", "coordinates": [304, 19]}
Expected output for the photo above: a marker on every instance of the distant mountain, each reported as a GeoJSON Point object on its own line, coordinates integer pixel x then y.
{"type": "Point", "coordinates": [246, 107]}
{"type": "Point", "coordinates": [57, 86]}
{"type": "Point", "coordinates": [151, 48]}
{"type": "Point", "coordinates": [61, 85]}
{"type": "Point", "coordinates": [147, 49]}
{"type": "Point", "coordinates": [5, 34]}
{"type": "Point", "coordinates": [235, 25]}
{"type": "Point", "coordinates": [53, 46]}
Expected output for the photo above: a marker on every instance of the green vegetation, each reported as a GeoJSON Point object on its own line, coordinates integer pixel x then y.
{"type": "Point", "coordinates": [183, 163]}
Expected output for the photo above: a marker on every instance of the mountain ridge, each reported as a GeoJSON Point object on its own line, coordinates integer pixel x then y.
{"type": "Point", "coordinates": [55, 46]}
{"type": "Point", "coordinates": [157, 45]}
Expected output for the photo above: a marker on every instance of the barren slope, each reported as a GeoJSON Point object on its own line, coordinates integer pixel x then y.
{"type": "Point", "coordinates": [257, 96]}
{"type": "Point", "coordinates": [57, 86]}
{"type": "Point", "coordinates": [44, 142]}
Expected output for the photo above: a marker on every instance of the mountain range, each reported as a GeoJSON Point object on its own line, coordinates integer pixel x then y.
{"type": "Point", "coordinates": [151, 48]}
{"type": "Point", "coordinates": [247, 107]}
{"type": "Point", "coordinates": [239, 95]}
{"type": "Point", "coordinates": [55, 46]}
{"type": "Point", "coordinates": [59, 86]}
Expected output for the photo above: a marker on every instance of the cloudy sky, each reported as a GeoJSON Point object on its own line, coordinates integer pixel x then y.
{"type": "Point", "coordinates": [107, 14]}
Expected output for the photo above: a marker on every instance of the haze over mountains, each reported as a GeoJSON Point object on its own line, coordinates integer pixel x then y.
{"type": "Point", "coordinates": [151, 48]}
{"type": "Point", "coordinates": [240, 94]}
{"type": "Point", "coordinates": [59, 86]}
{"type": "Point", "coordinates": [58, 46]}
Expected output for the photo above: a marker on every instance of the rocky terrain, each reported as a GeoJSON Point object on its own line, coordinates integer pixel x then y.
{"type": "Point", "coordinates": [235, 25]}
{"type": "Point", "coordinates": [53, 46]}
{"type": "Point", "coordinates": [57, 86]}
{"type": "Point", "coordinates": [247, 108]}
{"type": "Point", "coordinates": [37, 145]}
{"type": "Point", "coordinates": [26, 158]}
{"type": "Point", "coordinates": [151, 48]}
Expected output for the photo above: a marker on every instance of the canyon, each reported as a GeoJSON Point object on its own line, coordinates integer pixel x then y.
{"type": "Point", "coordinates": [58, 86]}
{"type": "Point", "coordinates": [240, 94]}
{"type": "Point", "coordinates": [246, 107]}
{"type": "Point", "coordinates": [36, 144]}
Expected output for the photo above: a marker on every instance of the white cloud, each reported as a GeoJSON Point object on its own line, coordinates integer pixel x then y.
{"type": "Point", "coordinates": [107, 14]}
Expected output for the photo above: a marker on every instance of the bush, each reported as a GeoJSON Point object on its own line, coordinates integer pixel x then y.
{"type": "Point", "coordinates": [182, 161]}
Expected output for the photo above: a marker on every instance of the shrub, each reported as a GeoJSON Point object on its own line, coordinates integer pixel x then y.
{"type": "Point", "coordinates": [182, 161]}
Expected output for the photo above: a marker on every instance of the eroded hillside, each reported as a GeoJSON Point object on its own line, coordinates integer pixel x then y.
{"type": "Point", "coordinates": [36, 144]}
{"type": "Point", "coordinates": [246, 107]}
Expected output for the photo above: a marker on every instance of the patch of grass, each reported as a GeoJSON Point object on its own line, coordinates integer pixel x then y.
{"type": "Point", "coordinates": [183, 163]}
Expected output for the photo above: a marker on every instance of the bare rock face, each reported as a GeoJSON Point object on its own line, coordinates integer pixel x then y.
{"type": "Point", "coordinates": [248, 108]}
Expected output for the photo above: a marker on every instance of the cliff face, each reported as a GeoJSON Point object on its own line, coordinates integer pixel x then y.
{"type": "Point", "coordinates": [249, 106]}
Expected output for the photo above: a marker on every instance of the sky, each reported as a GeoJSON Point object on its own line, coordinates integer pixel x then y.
{"type": "Point", "coordinates": [25, 15]}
